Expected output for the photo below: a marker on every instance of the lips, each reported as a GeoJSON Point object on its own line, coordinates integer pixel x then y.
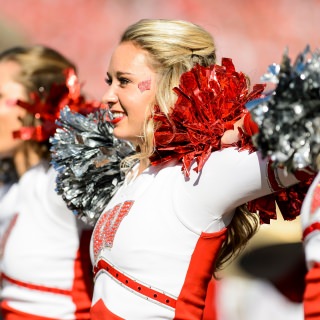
{"type": "Point", "coordinates": [116, 120]}
{"type": "Point", "coordinates": [117, 117]}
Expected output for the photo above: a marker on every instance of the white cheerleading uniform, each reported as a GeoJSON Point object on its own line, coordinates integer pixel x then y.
{"type": "Point", "coordinates": [155, 245]}
{"type": "Point", "coordinates": [310, 219]}
{"type": "Point", "coordinates": [45, 265]}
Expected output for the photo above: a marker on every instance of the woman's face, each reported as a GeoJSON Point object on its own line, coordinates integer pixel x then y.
{"type": "Point", "coordinates": [131, 91]}
{"type": "Point", "coordinates": [10, 113]}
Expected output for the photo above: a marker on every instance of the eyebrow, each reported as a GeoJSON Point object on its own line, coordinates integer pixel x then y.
{"type": "Point", "coordinates": [120, 73]}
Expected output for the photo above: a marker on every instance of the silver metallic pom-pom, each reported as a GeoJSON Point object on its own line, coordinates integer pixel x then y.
{"type": "Point", "coordinates": [87, 158]}
{"type": "Point", "coordinates": [289, 117]}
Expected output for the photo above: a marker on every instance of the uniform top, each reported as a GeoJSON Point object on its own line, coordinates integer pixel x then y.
{"type": "Point", "coordinates": [40, 256]}
{"type": "Point", "coordinates": [156, 227]}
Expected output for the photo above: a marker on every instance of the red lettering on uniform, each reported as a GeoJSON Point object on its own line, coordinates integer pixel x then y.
{"type": "Point", "coordinates": [107, 226]}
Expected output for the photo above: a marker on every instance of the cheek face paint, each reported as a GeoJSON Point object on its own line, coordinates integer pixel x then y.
{"type": "Point", "coordinates": [144, 85]}
{"type": "Point", "coordinates": [11, 102]}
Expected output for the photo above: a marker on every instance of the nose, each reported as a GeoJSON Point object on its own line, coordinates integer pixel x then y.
{"type": "Point", "coordinates": [110, 97]}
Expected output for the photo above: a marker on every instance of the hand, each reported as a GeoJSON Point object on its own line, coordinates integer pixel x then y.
{"type": "Point", "coordinates": [232, 136]}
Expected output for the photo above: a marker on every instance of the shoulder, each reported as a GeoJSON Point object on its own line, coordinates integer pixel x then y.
{"type": "Point", "coordinates": [231, 157]}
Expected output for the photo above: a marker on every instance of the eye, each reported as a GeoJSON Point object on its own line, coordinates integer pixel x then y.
{"type": "Point", "coordinates": [123, 81]}
{"type": "Point", "coordinates": [108, 81]}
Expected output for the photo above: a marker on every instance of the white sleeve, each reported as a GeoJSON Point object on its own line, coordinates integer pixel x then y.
{"type": "Point", "coordinates": [235, 177]}
{"type": "Point", "coordinates": [229, 179]}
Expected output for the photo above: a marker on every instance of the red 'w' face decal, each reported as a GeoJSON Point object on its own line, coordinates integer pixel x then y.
{"type": "Point", "coordinates": [107, 226]}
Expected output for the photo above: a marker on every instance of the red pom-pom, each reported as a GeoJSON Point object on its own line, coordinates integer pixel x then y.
{"type": "Point", "coordinates": [209, 101]}
{"type": "Point", "coordinates": [47, 109]}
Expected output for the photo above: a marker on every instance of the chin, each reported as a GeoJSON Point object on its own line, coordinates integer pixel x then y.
{"type": "Point", "coordinates": [118, 135]}
{"type": "Point", "coordinates": [122, 136]}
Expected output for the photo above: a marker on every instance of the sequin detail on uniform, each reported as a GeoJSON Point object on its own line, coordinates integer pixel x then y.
{"type": "Point", "coordinates": [108, 225]}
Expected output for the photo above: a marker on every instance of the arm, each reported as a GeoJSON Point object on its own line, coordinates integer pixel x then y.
{"type": "Point", "coordinates": [228, 179]}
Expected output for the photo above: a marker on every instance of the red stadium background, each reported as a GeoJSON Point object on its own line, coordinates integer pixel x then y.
{"type": "Point", "coordinates": [253, 33]}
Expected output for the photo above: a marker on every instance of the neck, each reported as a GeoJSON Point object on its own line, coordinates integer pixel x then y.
{"type": "Point", "coordinates": [143, 165]}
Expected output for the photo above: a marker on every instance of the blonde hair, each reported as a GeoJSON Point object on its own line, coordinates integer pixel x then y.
{"type": "Point", "coordinates": [174, 47]}
{"type": "Point", "coordinates": [40, 68]}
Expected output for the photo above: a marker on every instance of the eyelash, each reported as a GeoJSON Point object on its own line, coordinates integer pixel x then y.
{"type": "Point", "coordinates": [122, 81]}
{"type": "Point", "coordinates": [108, 81]}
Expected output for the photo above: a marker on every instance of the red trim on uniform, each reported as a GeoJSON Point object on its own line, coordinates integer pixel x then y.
{"type": "Point", "coordinates": [80, 293]}
{"type": "Point", "coordinates": [191, 301]}
{"type": "Point", "coordinates": [9, 313]}
{"type": "Point", "coordinates": [35, 286]}
{"type": "Point", "coordinates": [312, 294]}
{"type": "Point", "coordinates": [134, 284]}
{"type": "Point", "coordinates": [210, 309]}
{"type": "Point", "coordinates": [99, 311]}
{"type": "Point", "coordinates": [304, 174]}
{"type": "Point", "coordinates": [313, 227]}
{"type": "Point", "coordinates": [82, 288]}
